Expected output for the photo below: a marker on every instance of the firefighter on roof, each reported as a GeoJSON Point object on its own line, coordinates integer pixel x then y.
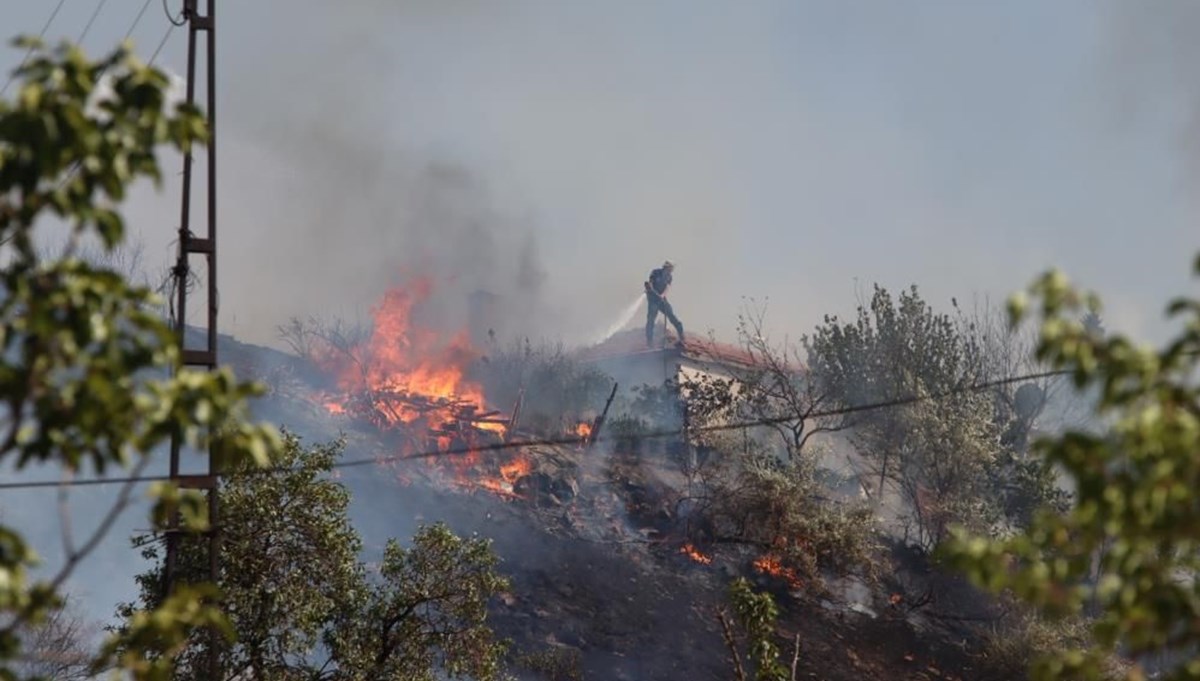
{"type": "Point", "coordinates": [656, 301]}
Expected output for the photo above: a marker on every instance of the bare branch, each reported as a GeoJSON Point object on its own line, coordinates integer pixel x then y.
{"type": "Point", "coordinates": [102, 529]}
{"type": "Point", "coordinates": [796, 658]}
{"type": "Point", "coordinates": [57, 647]}
{"type": "Point", "coordinates": [739, 673]}
{"type": "Point", "coordinates": [74, 557]}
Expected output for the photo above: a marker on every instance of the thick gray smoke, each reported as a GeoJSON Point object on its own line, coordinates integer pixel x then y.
{"type": "Point", "coordinates": [326, 201]}
{"type": "Point", "coordinates": [353, 214]}
{"type": "Point", "coordinates": [349, 165]}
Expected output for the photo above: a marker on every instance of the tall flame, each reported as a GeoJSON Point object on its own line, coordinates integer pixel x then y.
{"type": "Point", "coordinates": [405, 375]}
{"type": "Point", "coordinates": [401, 358]}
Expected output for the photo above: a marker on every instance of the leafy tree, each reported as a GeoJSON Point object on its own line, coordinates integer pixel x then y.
{"type": "Point", "coordinates": [1128, 548]}
{"type": "Point", "coordinates": [760, 485]}
{"type": "Point", "coordinates": [947, 459]}
{"type": "Point", "coordinates": [425, 618]}
{"type": "Point", "coordinates": [84, 354]}
{"type": "Point", "coordinates": [304, 606]}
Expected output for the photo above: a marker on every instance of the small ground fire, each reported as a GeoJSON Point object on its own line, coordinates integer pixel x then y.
{"type": "Point", "coordinates": [771, 565]}
{"type": "Point", "coordinates": [692, 552]}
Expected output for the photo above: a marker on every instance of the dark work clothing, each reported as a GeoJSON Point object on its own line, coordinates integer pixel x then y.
{"type": "Point", "coordinates": [660, 279]}
{"type": "Point", "coordinates": [654, 305]}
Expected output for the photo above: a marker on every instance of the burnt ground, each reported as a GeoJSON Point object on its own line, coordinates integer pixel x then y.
{"type": "Point", "coordinates": [597, 575]}
{"type": "Point", "coordinates": [635, 608]}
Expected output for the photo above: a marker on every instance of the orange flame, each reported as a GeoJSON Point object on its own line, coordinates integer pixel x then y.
{"type": "Point", "coordinates": [771, 565]}
{"type": "Point", "coordinates": [510, 473]}
{"type": "Point", "coordinates": [492, 426]}
{"type": "Point", "coordinates": [406, 375]}
{"type": "Point", "coordinates": [404, 359]}
{"type": "Point", "coordinates": [583, 429]}
{"type": "Point", "coordinates": [692, 552]}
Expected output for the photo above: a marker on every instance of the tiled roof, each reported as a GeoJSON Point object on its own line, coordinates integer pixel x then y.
{"type": "Point", "coordinates": [633, 342]}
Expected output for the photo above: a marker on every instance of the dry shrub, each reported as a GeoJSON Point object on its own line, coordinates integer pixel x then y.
{"type": "Point", "coordinates": [785, 508]}
{"type": "Point", "coordinates": [1023, 637]}
{"type": "Point", "coordinates": [553, 664]}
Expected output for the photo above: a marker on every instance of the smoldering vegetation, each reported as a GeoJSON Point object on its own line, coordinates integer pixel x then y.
{"type": "Point", "coordinates": [620, 546]}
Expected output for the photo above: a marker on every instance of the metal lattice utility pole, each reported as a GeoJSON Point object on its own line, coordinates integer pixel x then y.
{"type": "Point", "coordinates": [203, 248]}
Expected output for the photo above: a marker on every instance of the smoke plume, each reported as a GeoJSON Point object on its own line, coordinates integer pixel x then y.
{"type": "Point", "coordinates": [552, 153]}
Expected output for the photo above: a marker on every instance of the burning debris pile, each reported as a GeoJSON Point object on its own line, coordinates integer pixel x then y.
{"type": "Point", "coordinates": [446, 420]}
{"type": "Point", "coordinates": [410, 383]}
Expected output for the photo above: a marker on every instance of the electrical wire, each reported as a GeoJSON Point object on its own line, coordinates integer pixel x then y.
{"type": "Point", "coordinates": [28, 53]}
{"type": "Point", "coordinates": [180, 21]}
{"type": "Point", "coordinates": [161, 44]}
{"type": "Point", "coordinates": [137, 19]}
{"type": "Point", "coordinates": [92, 20]}
{"type": "Point", "coordinates": [573, 440]}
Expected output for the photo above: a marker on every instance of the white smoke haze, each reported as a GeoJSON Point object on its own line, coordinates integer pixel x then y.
{"type": "Point", "coordinates": [553, 153]}
{"type": "Point", "coordinates": [770, 151]}
{"type": "Point", "coordinates": [1151, 69]}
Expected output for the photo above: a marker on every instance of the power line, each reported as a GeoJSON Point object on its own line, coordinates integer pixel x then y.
{"type": "Point", "coordinates": [92, 20]}
{"type": "Point", "coordinates": [573, 440]}
{"type": "Point", "coordinates": [46, 27]}
{"type": "Point", "coordinates": [161, 44]}
{"type": "Point", "coordinates": [175, 21]}
{"type": "Point", "coordinates": [28, 53]}
{"type": "Point", "coordinates": [738, 425]}
{"type": "Point", "coordinates": [137, 19]}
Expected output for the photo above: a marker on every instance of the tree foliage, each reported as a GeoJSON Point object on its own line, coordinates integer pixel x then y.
{"type": "Point", "coordinates": [83, 354]}
{"type": "Point", "coordinates": [752, 627]}
{"type": "Point", "coordinates": [761, 485]}
{"type": "Point", "coordinates": [304, 606]}
{"type": "Point", "coordinates": [955, 459]}
{"type": "Point", "coordinates": [783, 508]}
{"type": "Point", "coordinates": [1127, 550]}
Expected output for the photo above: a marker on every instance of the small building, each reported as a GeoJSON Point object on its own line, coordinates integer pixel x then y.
{"type": "Point", "coordinates": [626, 358]}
